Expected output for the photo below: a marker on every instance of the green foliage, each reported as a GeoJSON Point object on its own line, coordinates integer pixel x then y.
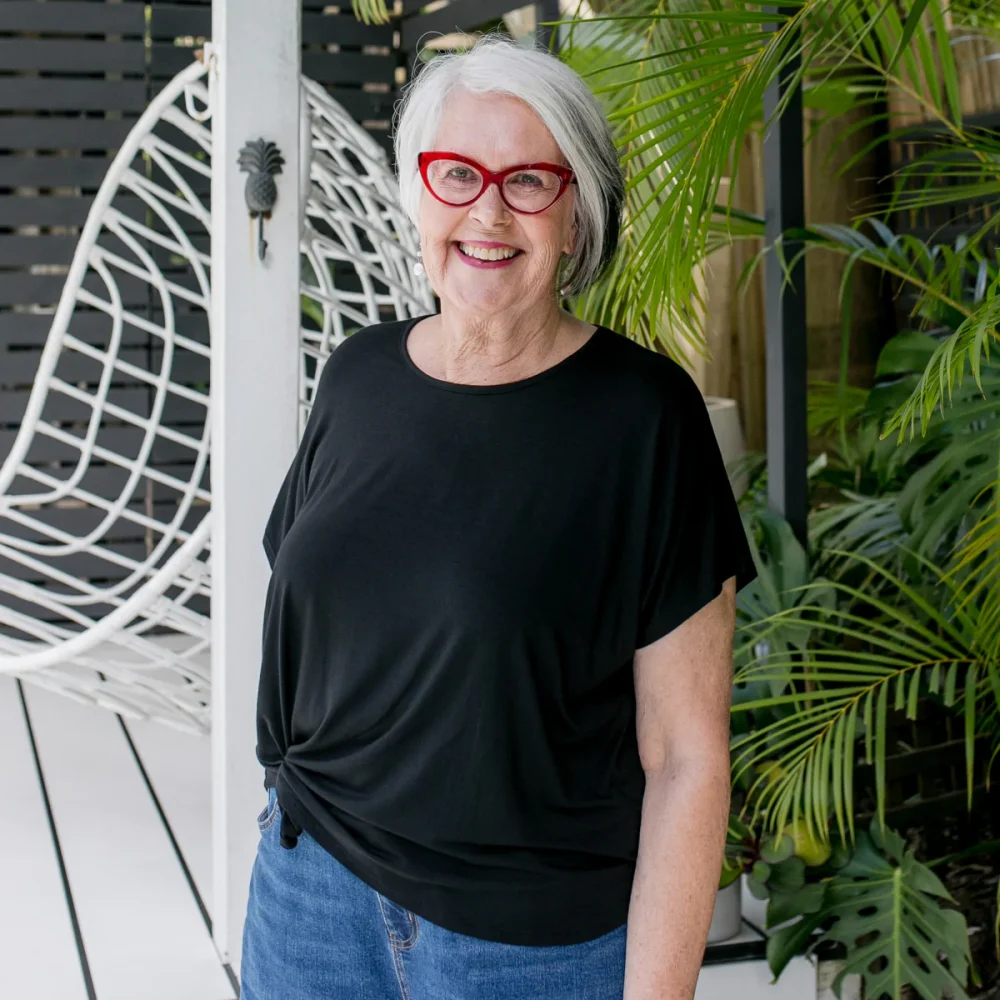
{"type": "Point", "coordinates": [683, 85]}
{"type": "Point", "coordinates": [885, 907]}
{"type": "Point", "coordinates": [888, 911]}
{"type": "Point", "coordinates": [371, 11]}
{"type": "Point", "coordinates": [935, 485]}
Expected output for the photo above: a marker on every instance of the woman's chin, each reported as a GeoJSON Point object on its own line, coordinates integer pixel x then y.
{"type": "Point", "coordinates": [481, 295]}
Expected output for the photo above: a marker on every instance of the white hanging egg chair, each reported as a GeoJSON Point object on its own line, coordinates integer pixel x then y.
{"type": "Point", "coordinates": [94, 464]}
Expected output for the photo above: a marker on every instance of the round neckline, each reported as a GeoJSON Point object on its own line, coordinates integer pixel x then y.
{"type": "Point", "coordinates": [468, 387]}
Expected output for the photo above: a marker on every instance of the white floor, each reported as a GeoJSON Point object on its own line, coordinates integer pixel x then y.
{"type": "Point", "coordinates": [103, 896]}
{"type": "Point", "coordinates": [104, 908]}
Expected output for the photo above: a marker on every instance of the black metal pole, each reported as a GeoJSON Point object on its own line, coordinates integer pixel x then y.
{"type": "Point", "coordinates": [785, 311]}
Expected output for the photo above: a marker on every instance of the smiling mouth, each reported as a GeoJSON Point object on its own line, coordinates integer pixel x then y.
{"type": "Point", "coordinates": [490, 254]}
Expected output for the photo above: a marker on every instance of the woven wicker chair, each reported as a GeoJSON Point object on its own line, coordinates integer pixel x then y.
{"type": "Point", "coordinates": [92, 465]}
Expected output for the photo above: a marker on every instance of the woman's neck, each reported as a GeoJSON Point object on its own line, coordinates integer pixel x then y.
{"type": "Point", "coordinates": [487, 350]}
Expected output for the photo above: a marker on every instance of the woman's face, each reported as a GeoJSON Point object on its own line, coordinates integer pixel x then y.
{"type": "Point", "coordinates": [498, 131]}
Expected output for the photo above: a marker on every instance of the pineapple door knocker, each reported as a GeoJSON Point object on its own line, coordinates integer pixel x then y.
{"type": "Point", "coordinates": [261, 160]}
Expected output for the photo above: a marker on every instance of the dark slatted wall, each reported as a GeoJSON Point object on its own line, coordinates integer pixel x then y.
{"type": "Point", "coordinates": [458, 16]}
{"type": "Point", "coordinates": [74, 77]}
{"type": "Point", "coordinates": [356, 62]}
{"type": "Point", "coordinates": [72, 83]}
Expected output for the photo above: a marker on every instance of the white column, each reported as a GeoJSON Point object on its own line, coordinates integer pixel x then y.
{"type": "Point", "coordinates": [254, 370]}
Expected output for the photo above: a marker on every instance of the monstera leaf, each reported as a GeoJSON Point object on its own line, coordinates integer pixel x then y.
{"type": "Point", "coordinates": [886, 912]}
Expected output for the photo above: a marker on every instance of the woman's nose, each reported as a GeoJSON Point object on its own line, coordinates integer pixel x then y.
{"type": "Point", "coordinates": [489, 205]}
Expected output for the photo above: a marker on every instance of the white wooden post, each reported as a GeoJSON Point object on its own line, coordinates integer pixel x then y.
{"type": "Point", "coordinates": [254, 370]}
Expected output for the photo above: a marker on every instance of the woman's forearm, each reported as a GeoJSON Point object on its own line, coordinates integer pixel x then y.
{"type": "Point", "coordinates": [684, 814]}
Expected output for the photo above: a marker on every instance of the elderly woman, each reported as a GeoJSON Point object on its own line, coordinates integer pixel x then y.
{"type": "Point", "coordinates": [493, 706]}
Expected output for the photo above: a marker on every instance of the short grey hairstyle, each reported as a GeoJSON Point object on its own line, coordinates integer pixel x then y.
{"type": "Point", "coordinates": [496, 64]}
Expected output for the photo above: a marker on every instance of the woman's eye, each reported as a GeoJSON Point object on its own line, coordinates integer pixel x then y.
{"type": "Point", "coordinates": [527, 180]}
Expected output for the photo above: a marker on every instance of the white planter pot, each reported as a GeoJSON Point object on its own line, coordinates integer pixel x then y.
{"type": "Point", "coordinates": [727, 917]}
{"type": "Point", "coordinates": [729, 433]}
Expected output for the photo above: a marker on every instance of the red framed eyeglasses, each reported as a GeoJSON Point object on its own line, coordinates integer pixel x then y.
{"type": "Point", "coordinates": [528, 188]}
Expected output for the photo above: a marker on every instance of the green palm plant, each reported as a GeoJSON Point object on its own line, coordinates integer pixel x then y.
{"type": "Point", "coordinates": [905, 629]}
{"type": "Point", "coordinates": [922, 491]}
{"type": "Point", "coordinates": [937, 638]}
{"type": "Point", "coordinates": [685, 81]}
{"type": "Point", "coordinates": [801, 719]}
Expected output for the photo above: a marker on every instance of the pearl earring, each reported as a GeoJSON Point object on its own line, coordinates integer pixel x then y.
{"type": "Point", "coordinates": [418, 268]}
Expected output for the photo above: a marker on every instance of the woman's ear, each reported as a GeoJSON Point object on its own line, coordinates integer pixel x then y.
{"type": "Point", "coordinates": [571, 242]}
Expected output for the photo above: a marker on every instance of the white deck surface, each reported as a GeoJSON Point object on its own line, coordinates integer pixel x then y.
{"type": "Point", "coordinates": [110, 898]}
{"type": "Point", "coordinates": [103, 908]}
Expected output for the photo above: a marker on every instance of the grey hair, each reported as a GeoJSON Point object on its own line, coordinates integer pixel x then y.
{"type": "Point", "coordinates": [496, 64]}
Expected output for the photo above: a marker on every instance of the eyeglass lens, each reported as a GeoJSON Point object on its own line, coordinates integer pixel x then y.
{"type": "Point", "coordinates": [528, 190]}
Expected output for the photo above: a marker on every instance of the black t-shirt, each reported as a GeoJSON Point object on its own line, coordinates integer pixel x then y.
{"type": "Point", "coordinates": [460, 577]}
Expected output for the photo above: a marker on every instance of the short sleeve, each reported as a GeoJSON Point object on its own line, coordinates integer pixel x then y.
{"type": "Point", "coordinates": [295, 486]}
{"type": "Point", "coordinates": [695, 538]}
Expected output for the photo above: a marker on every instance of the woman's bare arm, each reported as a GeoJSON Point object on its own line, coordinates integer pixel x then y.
{"type": "Point", "coordinates": [683, 686]}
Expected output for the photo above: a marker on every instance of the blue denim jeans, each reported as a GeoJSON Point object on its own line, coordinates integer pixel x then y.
{"type": "Point", "coordinates": [315, 931]}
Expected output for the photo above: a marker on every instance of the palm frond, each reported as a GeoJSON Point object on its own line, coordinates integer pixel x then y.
{"type": "Point", "coordinates": [956, 284]}
{"type": "Point", "coordinates": [371, 11]}
{"type": "Point", "coordinates": [684, 86]}
{"type": "Point", "coordinates": [841, 692]}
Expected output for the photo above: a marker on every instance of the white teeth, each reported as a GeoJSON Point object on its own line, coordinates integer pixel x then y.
{"type": "Point", "coordinates": [494, 253]}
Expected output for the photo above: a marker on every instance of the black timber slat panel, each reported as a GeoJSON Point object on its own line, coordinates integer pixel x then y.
{"type": "Point", "coordinates": [80, 132]}
{"type": "Point", "coordinates": [124, 441]}
{"type": "Point", "coordinates": [24, 330]}
{"type": "Point", "coordinates": [72, 17]}
{"type": "Point", "coordinates": [176, 31]}
{"type": "Point", "coordinates": [365, 108]}
{"type": "Point", "coordinates": [344, 30]}
{"type": "Point", "coordinates": [72, 83]}
{"type": "Point", "coordinates": [459, 15]}
{"type": "Point", "coordinates": [20, 367]}
{"type": "Point", "coordinates": [46, 249]}
{"type": "Point", "coordinates": [357, 64]}
{"type": "Point", "coordinates": [59, 406]}
{"type": "Point", "coordinates": [54, 210]}
{"type": "Point", "coordinates": [52, 171]}
{"type": "Point", "coordinates": [318, 27]}
{"type": "Point", "coordinates": [71, 55]}
{"type": "Point", "coordinates": [50, 94]}
{"type": "Point", "coordinates": [17, 288]}
{"type": "Point", "coordinates": [85, 565]}
{"type": "Point", "coordinates": [173, 20]}
{"type": "Point", "coordinates": [344, 67]}
{"type": "Point", "coordinates": [77, 521]}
